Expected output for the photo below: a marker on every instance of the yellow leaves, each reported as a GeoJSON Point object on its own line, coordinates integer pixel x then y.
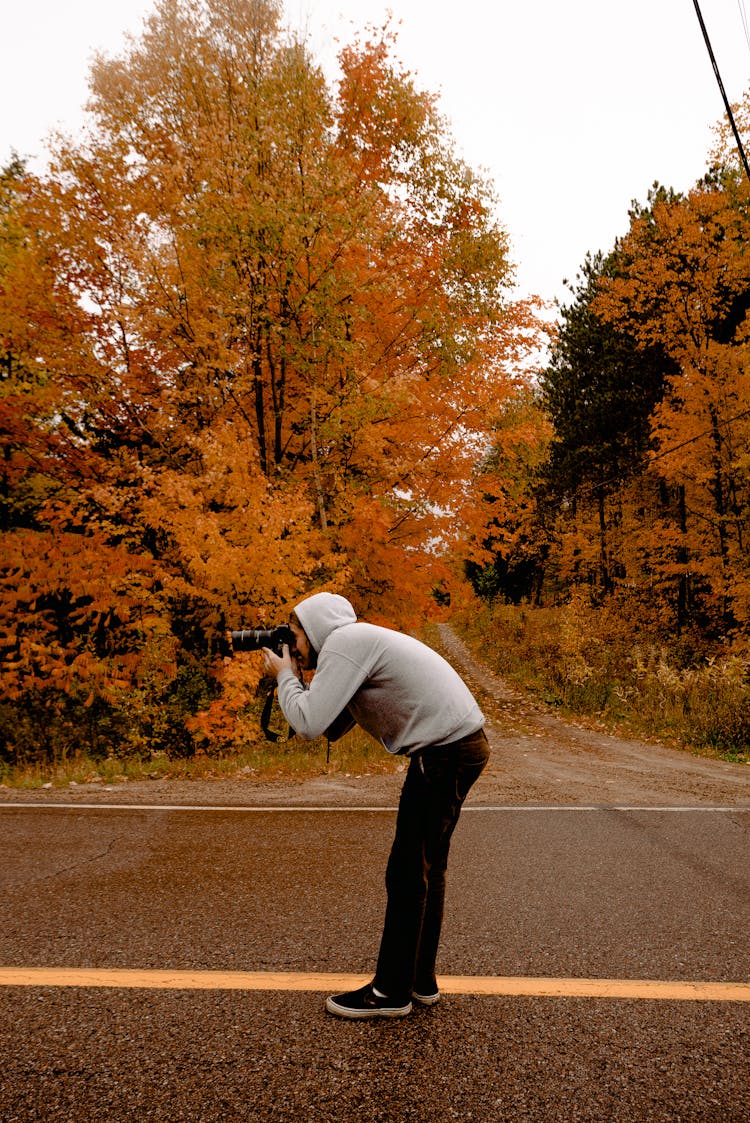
{"type": "Point", "coordinates": [681, 281]}
{"type": "Point", "coordinates": [71, 614]}
{"type": "Point", "coordinates": [380, 114]}
{"type": "Point", "coordinates": [684, 258]}
{"type": "Point", "coordinates": [244, 541]}
{"type": "Point", "coordinates": [725, 155]}
{"type": "Point", "coordinates": [351, 330]}
{"type": "Point", "coordinates": [228, 723]}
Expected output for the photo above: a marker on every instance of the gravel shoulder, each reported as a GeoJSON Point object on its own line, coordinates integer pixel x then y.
{"type": "Point", "coordinates": [537, 759]}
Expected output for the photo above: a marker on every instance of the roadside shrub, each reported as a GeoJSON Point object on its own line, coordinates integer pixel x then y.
{"type": "Point", "coordinates": [51, 726]}
{"type": "Point", "coordinates": [590, 661]}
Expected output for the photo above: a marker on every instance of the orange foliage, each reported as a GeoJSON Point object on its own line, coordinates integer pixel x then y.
{"type": "Point", "coordinates": [686, 268]}
{"type": "Point", "coordinates": [258, 331]}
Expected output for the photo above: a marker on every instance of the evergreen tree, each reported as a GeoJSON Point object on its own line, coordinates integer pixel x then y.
{"type": "Point", "coordinates": [599, 391]}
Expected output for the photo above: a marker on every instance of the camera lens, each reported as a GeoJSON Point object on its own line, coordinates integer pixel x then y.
{"type": "Point", "coordinates": [251, 639]}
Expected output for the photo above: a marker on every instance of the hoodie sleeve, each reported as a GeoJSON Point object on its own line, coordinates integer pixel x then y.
{"type": "Point", "coordinates": [312, 711]}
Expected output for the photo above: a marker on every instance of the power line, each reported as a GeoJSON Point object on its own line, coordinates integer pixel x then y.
{"type": "Point", "coordinates": [593, 489]}
{"type": "Point", "coordinates": [743, 17]}
{"type": "Point", "coordinates": [699, 436]}
{"type": "Point", "coordinates": [727, 106]}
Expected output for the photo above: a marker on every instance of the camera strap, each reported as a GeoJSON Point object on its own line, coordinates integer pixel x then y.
{"type": "Point", "coordinates": [265, 719]}
{"type": "Point", "coordinates": [271, 734]}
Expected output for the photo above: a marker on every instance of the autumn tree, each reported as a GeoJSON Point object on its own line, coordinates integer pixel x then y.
{"type": "Point", "coordinates": [683, 286]}
{"type": "Point", "coordinates": [268, 325]}
{"type": "Point", "coordinates": [643, 498]}
{"type": "Point", "coordinates": [81, 622]}
{"type": "Point", "coordinates": [326, 274]}
{"type": "Point", "coordinates": [508, 543]}
{"type": "Point", "coordinates": [586, 433]}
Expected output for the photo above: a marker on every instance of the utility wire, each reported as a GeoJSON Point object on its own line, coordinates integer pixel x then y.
{"type": "Point", "coordinates": [743, 17]}
{"type": "Point", "coordinates": [698, 436]}
{"type": "Point", "coordinates": [727, 106]}
{"type": "Point", "coordinates": [593, 489]}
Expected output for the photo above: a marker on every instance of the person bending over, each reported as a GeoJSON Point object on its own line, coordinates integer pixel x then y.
{"type": "Point", "coordinates": [408, 697]}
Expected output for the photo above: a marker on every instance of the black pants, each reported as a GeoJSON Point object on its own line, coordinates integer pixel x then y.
{"type": "Point", "coordinates": [436, 785]}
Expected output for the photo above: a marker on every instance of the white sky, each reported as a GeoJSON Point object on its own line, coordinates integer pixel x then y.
{"type": "Point", "coordinates": [572, 107]}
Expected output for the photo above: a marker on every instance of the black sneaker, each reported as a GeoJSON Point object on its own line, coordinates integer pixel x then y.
{"type": "Point", "coordinates": [364, 1003]}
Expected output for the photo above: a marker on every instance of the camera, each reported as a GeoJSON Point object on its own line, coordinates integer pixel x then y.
{"type": "Point", "coordinates": [253, 639]}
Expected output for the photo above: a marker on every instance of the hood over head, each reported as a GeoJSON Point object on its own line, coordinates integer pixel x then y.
{"type": "Point", "coordinates": [321, 614]}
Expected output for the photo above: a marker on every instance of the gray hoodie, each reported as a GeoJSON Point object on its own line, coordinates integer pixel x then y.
{"type": "Point", "coordinates": [397, 689]}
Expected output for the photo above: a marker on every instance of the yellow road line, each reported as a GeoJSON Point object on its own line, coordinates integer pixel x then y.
{"type": "Point", "coordinates": [520, 986]}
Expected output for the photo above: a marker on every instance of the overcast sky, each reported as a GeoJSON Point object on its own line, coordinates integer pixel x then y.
{"type": "Point", "coordinates": [571, 108]}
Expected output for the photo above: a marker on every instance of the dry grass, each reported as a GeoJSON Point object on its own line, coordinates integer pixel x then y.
{"type": "Point", "coordinates": [355, 754]}
{"type": "Point", "coordinates": [587, 662]}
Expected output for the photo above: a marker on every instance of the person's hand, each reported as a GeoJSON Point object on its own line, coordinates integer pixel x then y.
{"type": "Point", "coordinates": [274, 664]}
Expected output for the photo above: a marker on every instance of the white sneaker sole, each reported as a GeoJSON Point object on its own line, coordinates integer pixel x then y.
{"type": "Point", "coordinates": [426, 999]}
{"type": "Point", "coordinates": [381, 1012]}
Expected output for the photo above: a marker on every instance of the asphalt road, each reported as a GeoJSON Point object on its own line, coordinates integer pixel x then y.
{"type": "Point", "coordinates": [580, 856]}
{"type": "Point", "coordinates": [601, 893]}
